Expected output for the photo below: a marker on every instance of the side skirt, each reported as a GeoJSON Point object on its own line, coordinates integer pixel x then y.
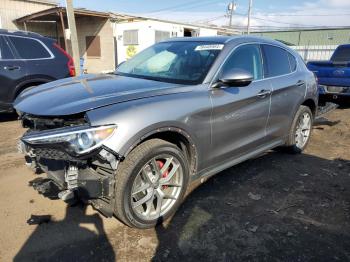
{"type": "Point", "coordinates": [211, 171]}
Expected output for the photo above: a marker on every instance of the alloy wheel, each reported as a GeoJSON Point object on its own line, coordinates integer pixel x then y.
{"type": "Point", "coordinates": [303, 130]}
{"type": "Point", "coordinates": [156, 187]}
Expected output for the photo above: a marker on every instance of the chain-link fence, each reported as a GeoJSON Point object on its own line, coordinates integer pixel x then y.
{"type": "Point", "coordinates": [315, 52]}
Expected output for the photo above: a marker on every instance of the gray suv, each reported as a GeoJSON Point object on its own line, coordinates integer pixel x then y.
{"type": "Point", "coordinates": [130, 143]}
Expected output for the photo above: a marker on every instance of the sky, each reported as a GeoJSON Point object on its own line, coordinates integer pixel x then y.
{"type": "Point", "coordinates": [272, 14]}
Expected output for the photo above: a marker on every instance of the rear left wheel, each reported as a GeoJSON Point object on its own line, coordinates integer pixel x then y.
{"type": "Point", "coordinates": [300, 132]}
{"type": "Point", "coordinates": [151, 183]}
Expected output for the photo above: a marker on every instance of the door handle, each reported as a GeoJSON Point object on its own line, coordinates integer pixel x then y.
{"type": "Point", "coordinates": [11, 68]}
{"type": "Point", "coordinates": [263, 93]}
{"type": "Point", "coordinates": [300, 83]}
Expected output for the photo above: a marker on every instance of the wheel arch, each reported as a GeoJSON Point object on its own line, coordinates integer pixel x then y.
{"type": "Point", "coordinates": [29, 83]}
{"type": "Point", "coordinates": [310, 103]}
{"type": "Point", "coordinates": [174, 135]}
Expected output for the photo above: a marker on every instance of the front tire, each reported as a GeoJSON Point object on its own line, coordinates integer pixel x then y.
{"type": "Point", "coordinates": [150, 184]}
{"type": "Point", "coordinates": [300, 132]}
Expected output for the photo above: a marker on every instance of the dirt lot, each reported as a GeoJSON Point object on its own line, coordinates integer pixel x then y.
{"type": "Point", "coordinates": [277, 207]}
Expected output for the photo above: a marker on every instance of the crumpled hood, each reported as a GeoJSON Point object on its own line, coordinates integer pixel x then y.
{"type": "Point", "coordinates": [80, 94]}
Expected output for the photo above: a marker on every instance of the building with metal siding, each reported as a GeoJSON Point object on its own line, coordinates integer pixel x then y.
{"type": "Point", "coordinates": [308, 37]}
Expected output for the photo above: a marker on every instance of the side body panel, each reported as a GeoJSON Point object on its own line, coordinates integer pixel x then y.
{"type": "Point", "coordinates": [287, 95]}
{"type": "Point", "coordinates": [239, 120]}
{"type": "Point", "coordinates": [289, 91]}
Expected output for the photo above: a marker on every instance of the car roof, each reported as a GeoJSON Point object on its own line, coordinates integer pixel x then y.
{"type": "Point", "coordinates": [22, 33]}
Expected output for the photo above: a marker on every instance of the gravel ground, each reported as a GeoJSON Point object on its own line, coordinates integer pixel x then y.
{"type": "Point", "coordinates": [277, 207]}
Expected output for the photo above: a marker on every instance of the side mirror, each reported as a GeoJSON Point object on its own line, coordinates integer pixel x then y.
{"type": "Point", "coordinates": [234, 77]}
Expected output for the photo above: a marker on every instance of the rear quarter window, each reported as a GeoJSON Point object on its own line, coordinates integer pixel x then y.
{"type": "Point", "coordinates": [292, 62]}
{"type": "Point", "coordinates": [28, 48]}
{"type": "Point", "coordinates": [276, 61]}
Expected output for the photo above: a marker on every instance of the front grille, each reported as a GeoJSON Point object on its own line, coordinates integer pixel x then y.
{"type": "Point", "coordinates": [38, 123]}
{"type": "Point", "coordinates": [50, 153]}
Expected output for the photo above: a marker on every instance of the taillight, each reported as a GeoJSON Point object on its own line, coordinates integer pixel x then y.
{"type": "Point", "coordinates": [70, 63]}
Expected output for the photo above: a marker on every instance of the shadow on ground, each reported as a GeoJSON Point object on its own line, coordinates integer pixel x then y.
{"type": "Point", "coordinates": [278, 207]}
{"type": "Point", "coordinates": [69, 239]}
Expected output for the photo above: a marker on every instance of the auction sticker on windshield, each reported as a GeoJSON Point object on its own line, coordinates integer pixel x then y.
{"type": "Point", "coordinates": [209, 47]}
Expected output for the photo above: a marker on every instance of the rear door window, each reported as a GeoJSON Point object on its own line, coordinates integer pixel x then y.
{"type": "Point", "coordinates": [28, 48]}
{"type": "Point", "coordinates": [276, 61]}
{"type": "Point", "coordinates": [5, 50]}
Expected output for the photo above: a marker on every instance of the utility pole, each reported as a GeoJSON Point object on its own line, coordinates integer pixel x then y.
{"type": "Point", "coordinates": [249, 14]}
{"type": "Point", "coordinates": [73, 35]}
{"type": "Point", "coordinates": [231, 9]}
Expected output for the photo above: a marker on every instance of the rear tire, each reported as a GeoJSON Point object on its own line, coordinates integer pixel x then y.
{"type": "Point", "coordinates": [150, 184]}
{"type": "Point", "coordinates": [300, 132]}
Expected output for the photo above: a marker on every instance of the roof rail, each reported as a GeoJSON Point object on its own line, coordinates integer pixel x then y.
{"type": "Point", "coordinates": [20, 32]}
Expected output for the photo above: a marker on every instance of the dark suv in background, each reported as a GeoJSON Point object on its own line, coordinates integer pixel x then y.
{"type": "Point", "coordinates": [29, 59]}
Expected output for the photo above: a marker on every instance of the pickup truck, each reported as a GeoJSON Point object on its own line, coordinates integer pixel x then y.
{"type": "Point", "coordinates": [333, 75]}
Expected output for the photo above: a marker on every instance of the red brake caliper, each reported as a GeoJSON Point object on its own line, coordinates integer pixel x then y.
{"type": "Point", "coordinates": [161, 164]}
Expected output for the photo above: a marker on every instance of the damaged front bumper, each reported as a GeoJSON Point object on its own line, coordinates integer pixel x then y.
{"type": "Point", "coordinates": [89, 177]}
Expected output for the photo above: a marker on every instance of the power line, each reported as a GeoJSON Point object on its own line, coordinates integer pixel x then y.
{"type": "Point", "coordinates": [278, 22]}
{"type": "Point", "coordinates": [209, 19]}
{"type": "Point", "coordinates": [309, 15]}
{"type": "Point", "coordinates": [183, 6]}
{"type": "Point", "coordinates": [274, 21]}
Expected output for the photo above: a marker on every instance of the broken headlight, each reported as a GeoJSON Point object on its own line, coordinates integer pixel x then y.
{"type": "Point", "coordinates": [78, 139]}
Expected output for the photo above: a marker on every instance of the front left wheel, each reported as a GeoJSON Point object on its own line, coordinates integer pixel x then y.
{"type": "Point", "coordinates": [150, 183]}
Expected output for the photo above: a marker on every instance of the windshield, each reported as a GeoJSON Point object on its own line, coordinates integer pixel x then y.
{"type": "Point", "coordinates": [174, 62]}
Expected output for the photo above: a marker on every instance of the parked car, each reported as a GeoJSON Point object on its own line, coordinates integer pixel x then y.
{"type": "Point", "coordinates": [333, 75]}
{"type": "Point", "coordinates": [26, 60]}
{"type": "Point", "coordinates": [130, 143]}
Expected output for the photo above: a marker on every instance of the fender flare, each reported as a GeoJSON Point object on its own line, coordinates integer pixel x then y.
{"type": "Point", "coordinates": [142, 137]}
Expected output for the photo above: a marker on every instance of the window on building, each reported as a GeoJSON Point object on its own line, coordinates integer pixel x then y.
{"type": "Point", "coordinates": [28, 48]}
{"type": "Point", "coordinates": [161, 35]}
{"type": "Point", "coordinates": [131, 37]}
{"type": "Point", "coordinates": [5, 51]}
{"type": "Point", "coordinates": [277, 61]}
{"type": "Point", "coordinates": [93, 46]}
{"type": "Point", "coordinates": [248, 58]}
